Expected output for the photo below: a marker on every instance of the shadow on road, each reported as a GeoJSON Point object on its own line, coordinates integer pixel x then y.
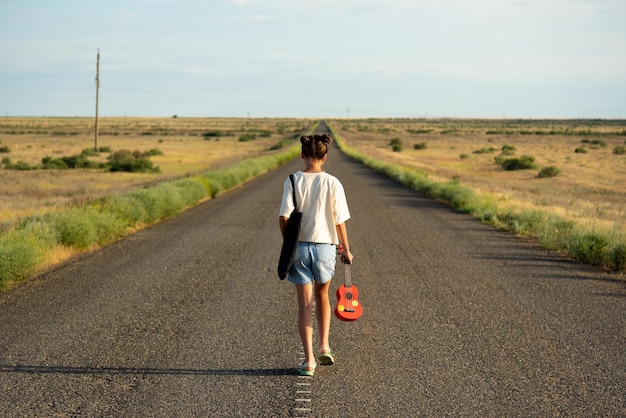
{"type": "Point", "coordinates": [143, 371]}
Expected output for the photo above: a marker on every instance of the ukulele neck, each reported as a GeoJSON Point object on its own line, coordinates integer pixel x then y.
{"type": "Point", "coordinates": [347, 275]}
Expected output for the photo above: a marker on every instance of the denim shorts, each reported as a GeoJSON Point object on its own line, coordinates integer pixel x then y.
{"type": "Point", "coordinates": [313, 261]}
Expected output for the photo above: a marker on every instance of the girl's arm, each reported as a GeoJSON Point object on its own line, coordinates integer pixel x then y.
{"type": "Point", "coordinates": [342, 233]}
{"type": "Point", "coordinates": [282, 223]}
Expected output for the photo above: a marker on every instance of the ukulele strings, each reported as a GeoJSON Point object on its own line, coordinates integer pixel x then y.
{"type": "Point", "coordinates": [347, 282]}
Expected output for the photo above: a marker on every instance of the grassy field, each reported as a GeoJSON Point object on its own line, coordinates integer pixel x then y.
{"type": "Point", "coordinates": [62, 197]}
{"type": "Point", "coordinates": [46, 215]}
{"type": "Point", "coordinates": [188, 147]}
{"type": "Point", "coordinates": [590, 185]}
{"type": "Point", "coordinates": [559, 182]}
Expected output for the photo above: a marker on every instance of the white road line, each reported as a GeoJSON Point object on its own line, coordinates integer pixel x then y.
{"type": "Point", "coordinates": [302, 396]}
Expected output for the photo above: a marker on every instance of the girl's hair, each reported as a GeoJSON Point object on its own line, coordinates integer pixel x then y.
{"type": "Point", "coordinates": [315, 146]}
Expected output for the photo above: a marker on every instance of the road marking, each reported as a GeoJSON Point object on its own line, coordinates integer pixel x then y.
{"type": "Point", "coordinates": [302, 394]}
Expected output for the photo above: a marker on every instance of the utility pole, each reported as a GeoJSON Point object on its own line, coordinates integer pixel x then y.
{"type": "Point", "coordinates": [97, 94]}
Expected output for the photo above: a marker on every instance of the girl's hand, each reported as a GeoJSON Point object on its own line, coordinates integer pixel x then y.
{"type": "Point", "coordinates": [346, 255]}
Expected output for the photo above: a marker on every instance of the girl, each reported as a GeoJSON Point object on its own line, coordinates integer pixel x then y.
{"type": "Point", "coordinates": [321, 199]}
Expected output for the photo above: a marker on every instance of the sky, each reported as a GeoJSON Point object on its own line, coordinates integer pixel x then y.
{"type": "Point", "coordinates": [314, 59]}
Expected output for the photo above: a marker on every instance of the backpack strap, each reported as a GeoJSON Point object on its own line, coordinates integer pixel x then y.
{"type": "Point", "coordinates": [293, 189]}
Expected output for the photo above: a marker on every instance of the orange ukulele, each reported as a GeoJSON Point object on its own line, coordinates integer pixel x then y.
{"type": "Point", "coordinates": [348, 307]}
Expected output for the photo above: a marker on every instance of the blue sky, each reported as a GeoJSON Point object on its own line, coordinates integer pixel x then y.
{"type": "Point", "coordinates": [290, 58]}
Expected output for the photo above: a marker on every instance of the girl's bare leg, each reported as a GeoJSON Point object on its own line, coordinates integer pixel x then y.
{"type": "Point", "coordinates": [305, 321]}
{"type": "Point", "coordinates": [322, 313]}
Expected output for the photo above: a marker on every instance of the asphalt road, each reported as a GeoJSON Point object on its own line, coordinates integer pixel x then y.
{"type": "Point", "coordinates": [189, 319]}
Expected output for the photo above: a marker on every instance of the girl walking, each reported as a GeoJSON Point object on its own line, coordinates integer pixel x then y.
{"type": "Point", "coordinates": [324, 207]}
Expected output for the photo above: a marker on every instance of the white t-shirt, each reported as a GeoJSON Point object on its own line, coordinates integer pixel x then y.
{"type": "Point", "coordinates": [322, 201]}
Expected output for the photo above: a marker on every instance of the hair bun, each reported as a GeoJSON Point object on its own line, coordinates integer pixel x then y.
{"type": "Point", "coordinates": [324, 139]}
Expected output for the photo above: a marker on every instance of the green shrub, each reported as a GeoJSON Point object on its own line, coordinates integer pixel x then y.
{"type": "Point", "coordinates": [89, 152]}
{"type": "Point", "coordinates": [508, 150]}
{"type": "Point", "coordinates": [151, 153]}
{"type": "Point", "coordinates": [590, 247]}
{"type": "Point", "coordinates": [212, 134]}
{"type": "Point", "coordinates": [22, 250]}
{"type": "Point", "coordinates": [223, 179]}
{"type": "Point", "coordinates": [549, 171]}
{"type": "Point", "coordinates": [86, 226]}
{"type": "Point", "coordinates": [5, 149]}
{"type": "Point", "coordinates": [149, 205]}
{"type": "Point", "coordinates": [421, 145]}
{"type": "Point", "coordinates": [191, 190]}
{"type": "Point", "coordinates": [49, 163]}
{"type": "Point", "coordinates": [459, 196]}
{"type": "Point", "coordinates": [21, 165]}
{"type": "Point", "coordinates": [170, 198]}
{"type": "Point", "coordinates": [419, 131]}
{"type": "Point", "coordinates": [247, 137]}
{"type": "Point", "coordinates": [126, 208]}
{"type": "Point", "coordinates": [281, 144]}
{"type": "Point", "coordinates": [524, 222]}
{"type": "Point", "coordinates": [598, 143]}
{"type": "Point", "coordinates": [619, 150]}
{"type": "Point", "coordinates": [555, 232]}
{"type": "Point", "coordinates": [133, 162]}
{"type": "Point", "coordinates": [617, 257]}
{"type": "Point", "coordinates": [79, 161]}
{"type": "Point", "coordinates": [580, 150]}
{"type": "Point", "coordinates": [150, 202]}
{"type": "Point", "coordinates": [484, 150]}
{"type": "Point", "coordinates": [523, 163]}
{"type": "Point", "coordinates": [396, 144]}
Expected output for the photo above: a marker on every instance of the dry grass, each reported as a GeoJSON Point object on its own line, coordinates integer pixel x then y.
{"type": "Point", "coordinates": [185, 152]}
{"type": "Point", "coordinates": [589, 188]}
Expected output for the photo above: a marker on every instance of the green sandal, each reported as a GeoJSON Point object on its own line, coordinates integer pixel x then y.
{"type": "Point", "coordinates": [327, 359]}
{"type": "Point", "coordinates": [306, 370]}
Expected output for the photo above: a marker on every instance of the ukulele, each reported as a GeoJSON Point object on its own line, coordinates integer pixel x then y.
{"type": "Point", "coordinates": [348, 307]}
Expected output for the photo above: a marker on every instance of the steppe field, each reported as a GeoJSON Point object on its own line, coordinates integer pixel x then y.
{"type": "Point", "coordinates": [587, 160]}
{"type": "Point", "coordinates": [180, 147]}
{"type": "Point", "coordinates": [560, 181]}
